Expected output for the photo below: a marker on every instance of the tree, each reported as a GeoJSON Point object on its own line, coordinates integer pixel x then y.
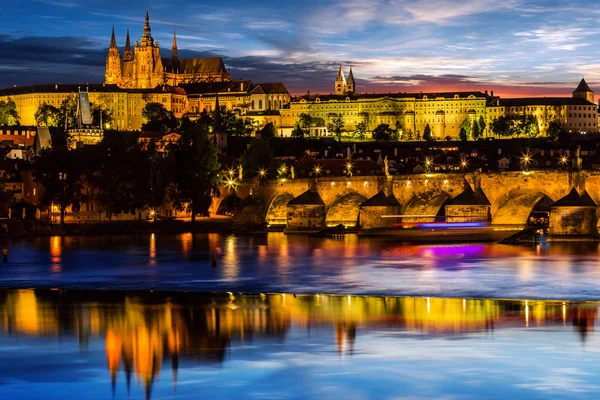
{"type": "Point", "coordinates": [528, 126]}
{"type": "Point", "coordinates": [361, 129]}
{"type": "Point", "coordinates": [235, 125]}
{"type": "Point", "coordinates": [268, 131]}
{"type": "Point", "coordinates": [547, 116]}
{"type": "Point", "coordinates": [475, 131]}
{"type": "Point", "coordinates": [556, 131]}
{"type": "Point", "coordinates": [101, 116]}
{"type": "Point", "coordinates": [68, 113]}
{"type": "Point", "coordinates": [382, 132]}
{"type": "Point", "coordinates": [502, 126]}
{"type": "Point", "coordinates": [466, 124]}
{"type": "Point", "coordinates": [305, 121]}
{"type": "Point", "coordinates": [258, 156]}
{"type": "Point", "coordinates": [8, 113]}
{"type": "Point", "coordinates": [297, 132]}
{"type": "Point", "coordinates": [463, 134]}
{"type": "Point", "coordinates": [59, 173]}
{"type": "Point", "coordinates": [482, 125]}
{"type": "Point", "coordinates": [157, 118]}
{"type": "Point", "coordinates": [116, 175]}
{"type": "Point", "coordinates": [47, 115]}
{"type": "Point", "coordinates": [427, 133]}
{"type": "Point", "coordinates": [197, 179]}
{"type": "Point", "coordinates": [336, 125]}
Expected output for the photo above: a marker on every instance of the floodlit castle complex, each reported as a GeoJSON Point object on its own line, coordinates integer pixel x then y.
{"type": "Point", "coordinates": [139, 75]}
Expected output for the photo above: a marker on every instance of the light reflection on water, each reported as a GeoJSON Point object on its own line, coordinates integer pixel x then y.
{"type": "Point", "coordinates": [299, 264]}
{"type": "Point", "coordinates": [156, 344]}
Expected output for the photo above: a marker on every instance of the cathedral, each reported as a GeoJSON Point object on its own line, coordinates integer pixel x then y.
{"type": "Point", "coordinates": [343, 86]}
{"type": "Point", "coordinates": [142, 67]}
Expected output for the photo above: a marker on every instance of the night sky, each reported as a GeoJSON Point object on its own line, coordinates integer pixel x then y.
{"type": "Point", "coordinates": [515, 47]}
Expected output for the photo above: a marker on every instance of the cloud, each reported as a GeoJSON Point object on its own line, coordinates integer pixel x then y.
{"type": "Point", "coordinates": [557, 38]}
{"type": "Point", "coordinates": [60, 3]}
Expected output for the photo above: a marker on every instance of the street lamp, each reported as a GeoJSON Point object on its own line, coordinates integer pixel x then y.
{"type": "Point", "coordinates": [317, 170]}
{"type": "Point", "coordinates": [262, 173]}
{"type": "Point", "coordinates": [348, 168]}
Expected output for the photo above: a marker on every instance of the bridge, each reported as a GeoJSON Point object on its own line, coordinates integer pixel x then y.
{"type": "Point", "coordinates": [510, 197]}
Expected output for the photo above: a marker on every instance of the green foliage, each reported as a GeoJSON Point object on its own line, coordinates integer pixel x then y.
{"type": "Point", "coordinates": [157, 118]}
{"type": "Point", "coordinates": [259, 155]}
{"type": "Point", "coordinates": [528, 126]}
{"type": "Point", "coordinates": [476, 131]}
{"type": "Point", "coordinates": [361, 129]}
{"type": "Point", "coordinates": [502, 126]}
{"type": "Point", "coordinates": [427, 133]}
{"type": "Point", "coordinates": [466, 125]}
{"type": "Point", "coordinates": [297, 132]}
{"type": "Point", "coordinates": [305, 121]}
{"type": "Point", "coordinates": [60, 138]}
{"type": "Point", "coordinates": [268, 131]}
{"type": "Point", "coordinates": [235, 125]}
{"type": "Point", "coordinates": [59, 171]}
{"type": "Point", "coordinates": [47, 115]}
{"type": "Point", "coordinates": [8, 113]}
{"type": "Point", "coordinates": [100, 113]}
{"type": "Point", "coordinates": [197, 179]}
{"type": "Point", "coordinates": [68, 113]}
{"type": "Point", "coordinates": [482, 125]}
{"type": "Point", "coordinates": [556, 131]}
{"type": "Point", "coordinates": [463, 135]}
{"type": "Point", "coordinates": [382, 132]}
{"type": "Point", "coordinates": [336, 125]}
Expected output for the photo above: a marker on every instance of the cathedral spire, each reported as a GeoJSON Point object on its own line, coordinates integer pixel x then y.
{"type": "Point", "coordinates": [340, 82]}
{"type": "Point", "coordinates": [351, 85]}
{"type": "Point", "coordinates": [113, 41]}
{"type": "Point", "coordinates": [128, 53]}
{"type": "Point", "coordinates": [174, 52]}
{"type": "Point", "coordinates": [147, 37]}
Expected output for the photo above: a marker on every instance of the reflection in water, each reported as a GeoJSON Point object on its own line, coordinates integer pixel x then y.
{"type": "Point", "coordinates": [55, 253]}
{"type": "Point", "coordinates": [152, 255]}
{"type": "Point", "coordinates": [142, 331]}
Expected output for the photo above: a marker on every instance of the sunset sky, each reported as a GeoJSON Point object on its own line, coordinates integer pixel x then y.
{"type": "Point", "coordinates": [514, 47]}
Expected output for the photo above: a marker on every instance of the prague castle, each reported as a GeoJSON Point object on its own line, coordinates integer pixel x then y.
{"type": "Point", "coordinates": [188, 87]}
{"type": "Point", "coordinates": [143, 67]}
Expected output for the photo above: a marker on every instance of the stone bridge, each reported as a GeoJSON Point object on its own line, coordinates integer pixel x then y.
{"type": "Point", "coordinates": [512, 195]}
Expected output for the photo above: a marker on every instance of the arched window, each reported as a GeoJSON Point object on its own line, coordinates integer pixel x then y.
{"type": "Point", "coordinates": [260, 105]}
{"type": "Point", "coordinates": [252, 106]}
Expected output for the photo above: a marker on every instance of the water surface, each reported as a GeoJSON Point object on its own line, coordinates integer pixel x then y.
{"type": "Point", "coordinates": [62, 344]}
{"type": "Point", "coordinates": [299, 264]}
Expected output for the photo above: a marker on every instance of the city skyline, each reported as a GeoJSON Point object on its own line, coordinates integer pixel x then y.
{"type": "Point", "coordinates": [517, 47]}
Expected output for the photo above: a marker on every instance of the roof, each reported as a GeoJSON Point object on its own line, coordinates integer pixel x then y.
{"type": "Point", "coordinates": [574, 199]}
{"type": "Point", "coordinates": [269, 88]}
{"type": "Point", "coordinates": [381, 200]}
{"type": "Point", "coordinates": [208, 65]}
{"type": "Point", "coordinates": [216, 87]}
{"type": "Point", "coordinates": [583, 87]}
{"type": "Point", "coordinates": [74, 88]}
{"type": "Point", "coordinates": [307, 198]}
{"type": "Point", "coordinates": [42, 139]}
{"type": "Point", "coordinates": [400, 95]}
{"type": "Point", "coordinates": [544, 101]}
{"type": "Point", "coordinates": [470, 198]}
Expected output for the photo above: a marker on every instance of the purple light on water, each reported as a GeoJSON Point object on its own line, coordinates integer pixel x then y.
{"type": "Point", "coordinates": [451, 225]}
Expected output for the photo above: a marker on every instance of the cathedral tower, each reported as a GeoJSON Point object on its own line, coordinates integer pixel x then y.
{"type": "Point", "coordinates": [113, 62]}
{"type": "Point", "coordinates": [583, 91]}
{"type": "Point", "coordinates": [128, 53]}
{"type": "Point", "coordinates": [351, 85]}
{"type": "Point", "coordinates": [175, 53]}
{"type": "Point", "coordinates": [340, 82]}
{"type": "Point", "coordinates": [148, 71]}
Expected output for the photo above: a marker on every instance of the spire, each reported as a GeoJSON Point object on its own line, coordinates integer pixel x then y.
{"type": "Point", "coordinates": [174, 52]}
{"type": "Point", "coordinates": [147, 37]}
{"type": "Point", "coordinates": [583, 86]}
{"type": "Point", "coordinates": [340, 75]}
{"type": "Point", "coordinates": [340, 82]}
{"type": "Point", "coordinates": [113, 41]}
{"type": "Point", "coordinates": [128, 53]}
{"type": "Point", "coordinates": [350, 76]}
{"type": "Point", "coordinates": [217, 118]}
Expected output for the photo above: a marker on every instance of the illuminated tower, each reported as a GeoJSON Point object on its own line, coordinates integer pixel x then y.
{"type": "Point", "coordinates": [583, 91]}
{"type": "Point", "coordinates": [148, 71]}
{"type": "Point", "coordinates": [128, 53]}
{"type": "Point", "coordinates": [351, 85]}
{"type": "Point", "coordinates": [174, 52]}
{"type": "Point", "coordinates": [113, 62]}
{"type": "Point", "coordinates": [340, 82]}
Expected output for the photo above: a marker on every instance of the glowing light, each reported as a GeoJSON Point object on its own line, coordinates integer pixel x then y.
{"type": "Point", "coordinates": [262, 173]}
{"type": "Point", "coordinates": [407, 183]}
{"type": "Point", "coordinates": [366, 183]}
{"type": "Point", "coordinates": [332, 184]}
{"type": "Point", "coordinates": [445, 181]}
{"type": "Point", "coordinates": [348, 183]}
{"type": "Point", "coordinates": [317, 170]}
{"type": "Point", "coordinates": [231, 172]}
{"type": "Point", "coordinates": [526, 313]}
{"type": "Point", "coordinates": [450, 225]}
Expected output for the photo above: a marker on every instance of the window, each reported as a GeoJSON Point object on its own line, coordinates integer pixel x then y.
{"type": "Point", "coordinates": [260, 105]}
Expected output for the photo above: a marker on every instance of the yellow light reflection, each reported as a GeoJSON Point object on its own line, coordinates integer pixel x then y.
{"type": "Point", "coordinates": [55, 254]}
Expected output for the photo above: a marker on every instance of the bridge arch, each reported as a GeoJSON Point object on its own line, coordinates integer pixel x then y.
{"type": "Point", "coordinates": [345, 210]}
{"type": "Point", "coordinates": [425, 207]}
{"type": "Point", "coordinates": [228, 205]}
{"type": "Point", "coordinates": [515, 207]}
{"type": "Point", "coordinates": [277, 210]}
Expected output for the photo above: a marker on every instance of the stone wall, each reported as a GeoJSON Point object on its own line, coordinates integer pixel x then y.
{"type": "Point", "coordinates": [572, 221]}
{"type": "Point", "coordinates": [467, 213]}
{"type": "Point", "coordinates": [305, 216]}
{"type": "Point", "coordinates": [371, 217]}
